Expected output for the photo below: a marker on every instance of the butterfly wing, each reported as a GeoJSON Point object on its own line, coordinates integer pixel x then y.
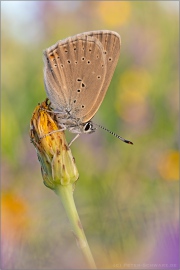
{"type": "Point", "coordinates": [53, 87]}
{"type": "Point", "coordinates": [74, 74]}
{"type": "Point", "coordinates": [110, 41]}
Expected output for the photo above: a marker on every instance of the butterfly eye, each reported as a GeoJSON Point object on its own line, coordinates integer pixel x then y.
{"type": "Point", "coordinates": [87, 127]}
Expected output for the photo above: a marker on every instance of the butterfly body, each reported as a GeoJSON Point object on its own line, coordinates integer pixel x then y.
{"type": "Point", "coordinates": [77, 73]}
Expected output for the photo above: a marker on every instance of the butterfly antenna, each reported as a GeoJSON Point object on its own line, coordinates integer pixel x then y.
{"type": "Point", "coordinates": [114, 134]}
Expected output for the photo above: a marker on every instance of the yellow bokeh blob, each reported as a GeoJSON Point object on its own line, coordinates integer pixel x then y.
{"type": "Point", "coordinates": [131, 101]}
{"type": "Point", "coordinates": [114, 13]}
{"type": "Point", "coordinates": [168, 165]}
{"type": "Point", "coordinates": [14, 215]}
{"type": "Point", "coordinates": [135, 80]}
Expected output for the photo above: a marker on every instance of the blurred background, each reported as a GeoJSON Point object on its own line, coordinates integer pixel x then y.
{"type": "Point", "coordinates": [127, 196]}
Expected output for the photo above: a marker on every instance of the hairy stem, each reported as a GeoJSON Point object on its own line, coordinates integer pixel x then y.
{"type": "Point", "coordinates": [66, 194]}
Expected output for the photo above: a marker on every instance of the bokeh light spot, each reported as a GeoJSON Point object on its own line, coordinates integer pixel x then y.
{"type": "Point", "coordinates": [114, 13]}
{"type": "Point", "coordinates": [14, 215]}
{"type": "Point", "coordinates": [168, 165]}
{"type": "Point", "coordinates": [135, 79]}
{"type": "Point", "coordinates": [131, 102]}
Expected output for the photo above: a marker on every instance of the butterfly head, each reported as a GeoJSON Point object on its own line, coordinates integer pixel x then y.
{"type": "Point", "coordinates": [82, 128]}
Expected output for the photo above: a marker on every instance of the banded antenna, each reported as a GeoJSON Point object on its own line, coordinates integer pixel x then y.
{"type": "Point", "coordinates": [114, 134]}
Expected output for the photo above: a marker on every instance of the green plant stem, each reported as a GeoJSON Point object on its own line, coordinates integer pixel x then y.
{"type": "Point", "coordinates": [66, 194]}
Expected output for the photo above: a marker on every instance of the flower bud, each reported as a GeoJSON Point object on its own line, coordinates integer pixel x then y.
{"type": "Point", "coordinates": [57, 163]}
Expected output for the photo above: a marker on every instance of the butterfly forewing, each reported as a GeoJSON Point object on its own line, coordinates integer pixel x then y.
{"type": "Point", "coordinates": [77, 72]}
{"type": "Point", "coordinates": [111, 49]}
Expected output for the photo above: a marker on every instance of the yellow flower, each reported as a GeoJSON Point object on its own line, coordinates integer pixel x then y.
{"type": "Point", "coordinates": [57, 163]}
{"type": "Point", "coordinates": [58, 168]}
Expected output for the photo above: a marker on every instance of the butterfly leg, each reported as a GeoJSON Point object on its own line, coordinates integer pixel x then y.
{"type": "Point", "coordinates": [58, 130]}
{"type": "Point", "coordinates": [73, 139]}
